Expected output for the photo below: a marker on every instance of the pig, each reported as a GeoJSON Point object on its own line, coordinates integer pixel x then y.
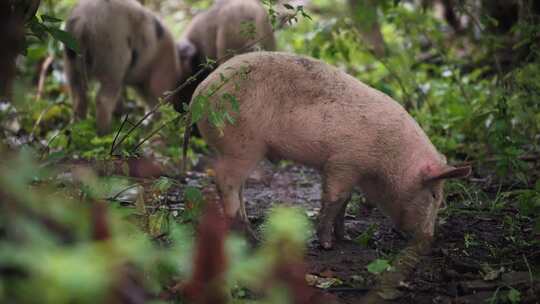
{"type": "Point", "coordinates": [122, 43]}
{"type": "Point", "coordinates": [220, 32]}
{"type": "Point", "coordinates": [297, 108]}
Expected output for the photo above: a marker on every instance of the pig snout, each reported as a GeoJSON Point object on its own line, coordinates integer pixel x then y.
{"type": "Point", "coordinates": [417, 224]}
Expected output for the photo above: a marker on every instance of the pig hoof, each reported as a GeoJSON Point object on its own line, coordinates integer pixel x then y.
{"type": "Point", "coordinates": [340, 235]}
{"type": "Point", "coordinates": [343, 238]}
{"type": "Point", "coordinates": [325, 237]}
{"type": "Point", "coordinates": [326, 245]}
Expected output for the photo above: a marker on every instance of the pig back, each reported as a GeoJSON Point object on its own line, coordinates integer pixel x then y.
{"type": "Point", "coordinates": [305, 110]}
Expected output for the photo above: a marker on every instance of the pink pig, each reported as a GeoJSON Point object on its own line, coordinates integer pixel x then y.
{"type": "Point", "coordinates": [297, 108]}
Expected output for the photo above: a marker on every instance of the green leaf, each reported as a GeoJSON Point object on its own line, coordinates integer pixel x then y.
{"type": "Point", "coordinates": [378, 266]}
{"type": "Point", "coordinates": [229, 118]}
{"type": "Point", "coordinates": [233, 101]}
{"type": "Point", "coordinates": [288, 6]}
{"type": "Point", "coordinates": [163, 184]}
{"type": "Point", "coordinates": [66, 38]}
{"type": "Point", "coordinates": [537, 186]}
{"type": "Point", "coordinates": [156, 223]}
{"type": "Point", "coordinates": [514, 295]}
{"type": "Point", "coordinates": [193, 195]}
{"type": "Point", "coordinates": [198, 107]}
{"type": "Point", "coordinates": [366, 236]}
{"type": "Point", "coordinates": [216, 119]}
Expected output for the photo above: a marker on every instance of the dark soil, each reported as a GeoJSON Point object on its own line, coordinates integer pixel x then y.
{"type": "Point", "coordinates": [477, 255]}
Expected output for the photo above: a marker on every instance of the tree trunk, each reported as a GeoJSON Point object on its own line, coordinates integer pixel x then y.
{"type": "Point", "coordinates": [13, 14]}
{"type": "Point", "coordinates": [364, 15]}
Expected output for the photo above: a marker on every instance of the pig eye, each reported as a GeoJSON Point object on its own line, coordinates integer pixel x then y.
{"type": "Point", "coordinates": [434, 196]}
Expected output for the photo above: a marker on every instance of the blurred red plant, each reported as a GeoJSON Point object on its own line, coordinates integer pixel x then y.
{"type": "Point", "coordinates": [207, 285]}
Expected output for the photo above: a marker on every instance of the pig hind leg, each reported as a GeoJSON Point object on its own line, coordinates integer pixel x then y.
{"type": "Point", "coordinates": [338, 182]}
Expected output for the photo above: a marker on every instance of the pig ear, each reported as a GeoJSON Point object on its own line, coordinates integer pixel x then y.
{"type": "Point", "coordinates": [186, 50]}
{"type": "Point", "coordinates": [447, 172]}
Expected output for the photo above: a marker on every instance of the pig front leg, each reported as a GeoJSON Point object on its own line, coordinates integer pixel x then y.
{"type": "Point", "coordinates": [80, 102]}
{"type": "Point", "coordinates": [338, 183]}
{"type": "Point", "coordinates": [77, 84]}
{"type": "Point", "coordinates": [119, 109]}
{"type": "Point", "coordinates": [108, 97]}
{"type": "Point", "coordinates": [151, 99]}
{"type": "Point", "coordinates": [230, 176]}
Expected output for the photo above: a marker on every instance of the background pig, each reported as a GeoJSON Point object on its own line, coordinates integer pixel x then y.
{"type": "Point", "coordinates": [223, 29]}
{"type": "Point", "coordinates": [121, 43]}
{"type": "Point", "coordinates": [301, 109]}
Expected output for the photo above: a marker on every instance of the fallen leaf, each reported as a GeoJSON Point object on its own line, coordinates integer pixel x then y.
{"type": "Point", "coordinates": [320, 282]}
{"type": "Point", "coordinates": [327, 273]}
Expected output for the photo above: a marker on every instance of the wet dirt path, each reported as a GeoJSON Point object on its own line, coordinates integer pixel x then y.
{"type": "Point", "coordinates": [471, 261]}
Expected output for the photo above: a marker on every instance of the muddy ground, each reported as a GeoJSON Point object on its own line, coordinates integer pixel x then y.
{"type": "Point", "coordinates": [479, 254]}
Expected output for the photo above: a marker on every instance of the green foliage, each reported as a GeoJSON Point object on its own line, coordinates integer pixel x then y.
{"type": "Point", "coordinates": [81, 139]}
{"type": "Point", "coordinates": [193, 199]}
{"type": "Point", "coordinates": [40, 28]}
{"type": "Point", "coordinates": [529, 204]}
{"type": "Point", "coordinates": [248, 29]}
{"type": "Point", "coordinates": [69, 265]}
{"type": "Point", "coordinates": [287, 223]}
{"type": "Point", "coordinates": [285, 233]}
{"type": "Point", "coordinates": [514, 296]}
{"type": "Point", "coordinates": [511, 296]}
{"type": "Point", "coordinates": [45, 24]}
{"type": "Point", "coordinates": [221, 111]}
{"type": "Point", "coordinates": [48, 242]}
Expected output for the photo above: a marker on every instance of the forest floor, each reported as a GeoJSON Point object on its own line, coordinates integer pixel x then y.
{"type": "Point", "coordinates": [479, 255]}
{"type": "Point", "coordinates": [483, 251]}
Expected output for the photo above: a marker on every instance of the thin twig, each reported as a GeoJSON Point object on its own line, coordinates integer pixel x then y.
{"type": "Point", "coordinates": [117, 134]}
{"type": "Point", "coordinates": [140, 143]}
{"type": "Point", "coordinates": [43, 75]}
{"type": "Point", "coordinates": [166, 98]}
{"type": "Point", "coordinates": [531, 279]}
